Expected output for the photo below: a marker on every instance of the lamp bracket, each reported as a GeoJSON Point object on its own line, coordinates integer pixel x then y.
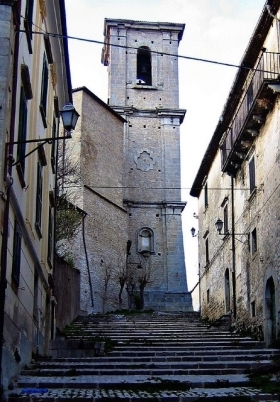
{"type": "Point", "coordinates": [43, 141]}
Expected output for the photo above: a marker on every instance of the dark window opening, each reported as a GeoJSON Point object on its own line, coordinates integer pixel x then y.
{"type": "Point", "coordinates": [206, 251]}
{"type": "Point", "coordinates": [28, 22]}
{"type": "Point", "coordinates": [144, 67]}
{"type": "Point", "coordinates": [44, 91]}
{"type": "Point", "coordinates": [39, 198]}
{"type": "Point", "coordinates": [16, 255]}
{"type": "Point", "coordinates": [208, 295]}
{"type": "Point", "coordinates": [225, 219]}
{"type": "Point", "coordinates": [252, 175]}
{"type": "Point", "coordinates": [254, 244]}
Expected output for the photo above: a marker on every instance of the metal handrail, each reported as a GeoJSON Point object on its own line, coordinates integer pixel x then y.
{"type": "Point", "coordinates": [268, 68]}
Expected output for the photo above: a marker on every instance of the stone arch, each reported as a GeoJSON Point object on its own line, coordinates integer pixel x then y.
{"type": "Point", "coordinates": [145, 240]}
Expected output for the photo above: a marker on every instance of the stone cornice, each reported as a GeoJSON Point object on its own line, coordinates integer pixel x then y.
{"type": "Point", "coordinates": [159, 112]}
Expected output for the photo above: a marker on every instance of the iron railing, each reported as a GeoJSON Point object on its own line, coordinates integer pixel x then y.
{"type": "Point", "coordinates": [267, 69]}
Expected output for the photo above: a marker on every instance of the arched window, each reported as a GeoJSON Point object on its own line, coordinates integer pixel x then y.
{"type": "Point", "coordinates": [144, 66]}
{"type": "Point", "coordinates": [145, 241]}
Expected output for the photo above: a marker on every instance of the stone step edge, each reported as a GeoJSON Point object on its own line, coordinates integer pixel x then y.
{"type": "Point", "coordinates": [105, 381]}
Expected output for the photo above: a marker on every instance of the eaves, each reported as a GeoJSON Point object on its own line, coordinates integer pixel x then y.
{"type": "Point", "coordinates": [248, 61]}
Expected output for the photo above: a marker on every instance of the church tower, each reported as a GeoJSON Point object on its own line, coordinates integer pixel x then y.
{"type": "Point", "coordinates": [143, 88]}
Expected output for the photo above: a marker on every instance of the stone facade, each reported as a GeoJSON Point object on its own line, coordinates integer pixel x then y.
{"type": "Point", "coordinates": [143, 88]}
{"type": "Point", "coordinates": [100, 248]}
{"type": "Point", "coordinates": [238, 182]}
{"type": "Point", "coordinates": [67, 293]}
{"type": "Point", "coordinates": [28, 62]}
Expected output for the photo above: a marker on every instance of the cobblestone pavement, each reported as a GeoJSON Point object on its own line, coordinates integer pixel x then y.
{"type": "Point", "coordinates": [130, 395]}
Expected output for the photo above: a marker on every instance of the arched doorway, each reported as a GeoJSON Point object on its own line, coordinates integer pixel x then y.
{"type": "Point", "coordinates": [270, 312]}
{"type": "Point", "coordinates": [227, 292]}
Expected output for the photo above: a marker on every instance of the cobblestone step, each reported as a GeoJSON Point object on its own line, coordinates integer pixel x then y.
{"type": "Point", "coordinates": [158, 357]}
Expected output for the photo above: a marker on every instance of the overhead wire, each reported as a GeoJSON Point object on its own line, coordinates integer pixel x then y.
{"type": "Point", "coordinates": [54, 35]}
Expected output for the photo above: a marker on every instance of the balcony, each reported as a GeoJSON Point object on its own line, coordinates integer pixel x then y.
{"type": "Point", "coordinates": [257, 101]}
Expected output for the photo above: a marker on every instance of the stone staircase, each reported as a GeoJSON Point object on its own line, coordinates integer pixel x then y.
{"type": "Point", "coordinates": [156, 356]}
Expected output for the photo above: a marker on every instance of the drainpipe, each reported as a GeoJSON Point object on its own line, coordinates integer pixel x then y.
{"type": "Point", "coordinates": [233, 249]}
{"type": "Point", "coordinates": [87, 262]}
{"type": "Point", "coordinates": [16, 7]}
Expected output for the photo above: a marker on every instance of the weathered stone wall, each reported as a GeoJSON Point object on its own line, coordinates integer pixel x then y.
{"type": "Point", "coordinates": [257, 271]}
{"type": "Point", "coordinates": [100, 251]}
{"type": "Point", "coordinates": [66, 292]}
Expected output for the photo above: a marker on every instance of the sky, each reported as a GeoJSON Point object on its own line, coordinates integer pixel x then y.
{"type": "Point", "coordinates": [216, 30]}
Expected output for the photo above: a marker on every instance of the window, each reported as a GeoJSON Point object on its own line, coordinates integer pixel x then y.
{"type": "Point", "coordinates": [22, 129]}
{"type": "Point", "coordinates": [50, 237]}
{"type": "Point", "coordinates": [39, 200]}
{"type": "Point", "coordinates": [16, 255]}
{"type": "Point", "coordinates": [252, 177]}
{"type": "Point", "coordinates": [28, 21]}
{"type": "Point", "coordinates": [144, 68]}
{"type": "Point", "coordinates": [44, 91]}
{"type": "Point", "coordinates": [254, 244]}
{"type": "Point", "coordinates": [226, 218]}
{"type": "Point", "coordinates": [206, 251]}
{"type": "Point", "coordinates": [29, 15]}
{"type": "Point", "coordinates": [145, 240]}
{"type": "Point", "coordinates": [208, 296]}
{"type": "Point", "coordinates": [206, 195]}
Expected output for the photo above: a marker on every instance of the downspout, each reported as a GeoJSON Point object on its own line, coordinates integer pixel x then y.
{"type": "Point", "coordinates": [86, 254]}
{"type": "Point", "coordinates": [8, 180]}
{"type": "Point", "coordinates": [233, 249]}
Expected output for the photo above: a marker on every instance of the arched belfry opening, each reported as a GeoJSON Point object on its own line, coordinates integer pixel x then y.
{"type": "Point", "coordinates": [144, 66]}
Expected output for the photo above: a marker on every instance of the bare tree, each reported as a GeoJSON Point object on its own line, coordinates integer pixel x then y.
{"type": "Point", "coordinates": [68, 215]}
{"type": "Point", "coordinates": [122, 274]}
{"type": "Point", "coordinates": [144, 278]}
{"type": "Point", "coordinates": [107, 274]}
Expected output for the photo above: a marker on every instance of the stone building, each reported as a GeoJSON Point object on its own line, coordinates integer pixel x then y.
{"type": "Point", "coordinates": [143, 88]}
{"type": "Point", "coordinates": [99, 250]}
{"type": "Point", "coordinates": [35, 85]}
{"type": "Point", "coordinates": [237, 184]}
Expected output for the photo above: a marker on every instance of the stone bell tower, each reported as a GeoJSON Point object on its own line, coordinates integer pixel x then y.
{"type": "Point", "coordinates": [143, 88]}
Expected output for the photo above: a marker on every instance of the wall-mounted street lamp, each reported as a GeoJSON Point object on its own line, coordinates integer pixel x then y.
{"type": "Point", "coordinates": [219, 226]}
{"type": "Point", "coordinates": [69, 117]}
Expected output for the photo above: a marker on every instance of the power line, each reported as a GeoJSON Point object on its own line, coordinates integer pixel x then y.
{"type": "Point", "coordinates": [53, 35]}
{"type": "Point", "coordinates": [161, 188]}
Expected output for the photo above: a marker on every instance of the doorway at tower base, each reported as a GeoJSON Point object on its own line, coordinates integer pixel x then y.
{"type": "Point", "coordinates": [167, 301]}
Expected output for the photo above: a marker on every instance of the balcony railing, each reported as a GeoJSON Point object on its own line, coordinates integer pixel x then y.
{"type": "Point", "coordinates": [256, 102]}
